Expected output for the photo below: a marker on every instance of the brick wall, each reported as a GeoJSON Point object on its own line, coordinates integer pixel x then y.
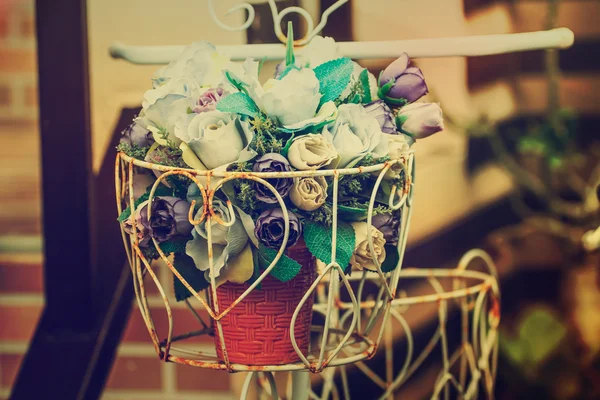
{"type": "Point", "coordinates": [18, 78]}
{"type": "Point", "coordinates": [137, 372]}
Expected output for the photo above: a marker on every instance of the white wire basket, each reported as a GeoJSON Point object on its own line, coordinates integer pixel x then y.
{"type": "Point", "coordinates": [352, 318]}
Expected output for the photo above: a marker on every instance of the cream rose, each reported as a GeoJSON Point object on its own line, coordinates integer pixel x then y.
{"type": "Point", "coordinates": [308, 193]}
{"type": "Point", "coordinates": [311, 152]}
{"type": "Point", "coordinates": [398, 149]}
{"type": "Point", "coordinates": [213, 139]}
{"type": "Point", "coordinates": [362, 258]}
{"type": "Point", "coordinates": [356, 134]}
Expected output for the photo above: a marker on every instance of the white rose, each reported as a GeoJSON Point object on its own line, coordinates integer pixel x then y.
{"type": "Point", "coordinates": [213, 139]}
{"type": "Point", "coordinates": [182, 87]}
{"type": "Point", "coordinates": [318, 51]}
{"type": "Point", "coordinates": [355, 134]}
{"type": "Point", "coordinates": [308, 193]}
{"type": "Point", "coordinates": [229, 246]}
{"type": "Point", "coordinates": [160, 117]}
{"type": "Point", "coordinates": [362, 258]}
{"type": "Point", "coordinates": [398, 149]}
{"type": "Point", "coordinates": [200, 61]}
{"type": "Point", "coordinates": [199, 66]}
{"type": "Point", "coordinates": [311, 152]}
{"type": "Point", "coordinates": [293, 99]}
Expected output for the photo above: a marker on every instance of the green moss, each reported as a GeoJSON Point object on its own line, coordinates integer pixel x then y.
{"type": "Point", "coordinates": [133, 151]}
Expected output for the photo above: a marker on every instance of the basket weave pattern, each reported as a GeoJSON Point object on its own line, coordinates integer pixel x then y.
{"type": "Point", "coordinates": [257, 330]}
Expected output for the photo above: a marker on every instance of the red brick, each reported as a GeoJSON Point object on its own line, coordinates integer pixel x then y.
{"type": "Point", "coordinates": [135, 373]}
{"type": "Point", "coordinates": [17, 60]}
{"type": "Point", "coordinates": [9, 368]}
{"type": "Point", "coordinates": [183, 322]}
{"type": "Point", "coordinates": [199, 379]}
{"type": "Point", "coordinates": [5, 96]}
{"type": "Point", "coordinates": [31, 96]}
{"type": "Point", "coordinates": [27, 28]}
{"type": "Point", "coordinates": [21, 279]}
{"type": "Point", "coordinates": [3, 25]}
{"type": "Point", "coordinates": [18, 322]}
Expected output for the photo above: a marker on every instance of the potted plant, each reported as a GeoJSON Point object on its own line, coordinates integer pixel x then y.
{"type": "Point", "coordinates": [243, 182]}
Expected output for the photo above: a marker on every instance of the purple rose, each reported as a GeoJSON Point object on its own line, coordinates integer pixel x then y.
{"type": "Point", "coordinates": [208, 100]}
{"type": "Point", "coordinates": [169, 218]}
{"type": "Point", "coordinates": [270, 228]}
{"type": "Point", "coordinates": [384, 115]}
{"type": "Point", "coordinates": [136, 135]}
{"type": "Point", "coordinates": [388, 224]}
{"type": "Point", "coordinates": [420, 119]}
{"type": "Point", "coordinates": [400, 83]}
{"type": "Point", "coordinates": [272, 162]}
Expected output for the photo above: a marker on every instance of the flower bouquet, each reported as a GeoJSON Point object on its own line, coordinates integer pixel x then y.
{"type": "Point", "coordinates": [247, 188]}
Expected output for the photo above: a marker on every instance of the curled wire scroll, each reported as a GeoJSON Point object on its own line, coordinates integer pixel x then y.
{"type": "Point", "coordinates": [311, 30]}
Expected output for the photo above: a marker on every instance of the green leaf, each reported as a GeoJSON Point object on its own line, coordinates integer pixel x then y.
{"type": "Point", "coordinates": [290, 58]}
{"type": "Point", "coordinates": [186, 267]}
{"type": "Point", "coordinates": [161, 190]}
{"type": "Point", "coordinates": [176, 246]}
{"type": "Point", "coordinates": [364, 81]}
{"type": "Point", "coordinates": [235, 82]}
{"type": "Point", "coordinates": [318, 241]}
{"type": "Point", "coordinates": [530, 144]}
{"type": "Point", "coordinates": [539, 334]}
{"type": "Point", "coordinates": [391, 259]}
{"type": "Point", "coordinates": [286, 71]}
{"type": "Point", "coordinates": [239, 103]}
{"type": "Point", "coordinates": [285, 150]}
{"type": "Point", "coordinates": [261, 64]}
{"type": "Point", "coordinates": [334, 76]}
{"type": "Point", "coordinates": [543, 331]}
{"type": "Point", "coordinates": [353, 213]}
{"type": "Point", "coordinates": [286, 268]}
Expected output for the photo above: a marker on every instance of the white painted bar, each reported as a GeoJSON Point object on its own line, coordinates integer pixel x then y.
{"type": "Point", "coordinates": [467, 46]}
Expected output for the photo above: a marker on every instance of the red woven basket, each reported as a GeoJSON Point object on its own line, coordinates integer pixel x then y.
{"type": "Point", "coordinates": [257, 330]}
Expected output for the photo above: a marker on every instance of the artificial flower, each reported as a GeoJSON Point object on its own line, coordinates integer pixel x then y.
{"type": "Point", "coordinates": [160, 118]}
{"type": "Point", "coordinates": [270, 228]}
{"type": "Point", "coordinates": [228, 242]}
{"type": "Point", "coordinates": [398, 150]}
{"type": "Point", "coordinates": [213, 139]}
{"type": "Point", "coordinates": [168, 219]}
{"type": "Point", "coordinates": [142, 230]}
{"type": "Point", "coordinates": [272, 162]}
{"type": "Point", "coordinates": [355, 134]}
{"type": "Point", "coordinates": [400, 82]}
{"type": "Point", "coordinates": [388, 224]}
{"type": "Point", "coordinates": [319, 51]}
{"type": "Point", "coordinates": [355, 78]}
{"type": "Point", "coordinates": [200, 61]}
{"type": "Point", "coordinates": [420, 119]}
{"type": "Point", "coordinates": [293, 100]}
{"type": "Point", "coordinates": [312, 151]}
{"type": "Point", "coordinates": [309, 193]}
{"type": "Point", "coordinates": [137, 135]}
{"type": "Point", "coordinates": [208, 100]}
{"type": "Point", "coordinates": [362, 257]}
{"type": "Point", "coordinates": [384, 115]}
